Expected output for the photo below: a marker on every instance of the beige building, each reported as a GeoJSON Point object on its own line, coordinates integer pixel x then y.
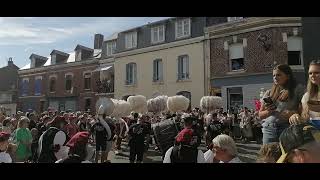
{"type": "Point", "coordinates": [189, 51]}
{"type": "Point", "coordinates": [166, 57]}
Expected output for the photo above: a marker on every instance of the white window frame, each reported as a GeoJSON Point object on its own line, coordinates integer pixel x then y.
{"type": "Point", "coordinates": [36, 78]}
{"type": "Point", "coordinates": [111, 48]}
{"type": "Point", "coordinates": [157, 76]}
{"type": "Point", "coordinates": [156, 30]}
{"type": "Point", "coordinates": [301, 53]}
{"type": "Point", "coordinates": [131, 40]}
{"type": "Point", "coordinates": [23, 80]}
{"type": "Point", "coordinates": [183, 29]}
{"type": "Point", "coordinates": [230, 19]}
{"type": "Point", "coordinates": [132, 74]}
{"type": "Point", "coordinates": [85, 75]}
{"type": "Point", "coordinates": [230, 58]}
{"type": "Point", "coordinates": [184, 73]}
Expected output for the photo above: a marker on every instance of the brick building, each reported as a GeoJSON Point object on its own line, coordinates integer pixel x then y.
{"type": "Point", "coordinates": [243, 51]}
{"type": "Point", "coordinates": [8, 87]}
{"type": "Point", "coordinates": [62, 81]}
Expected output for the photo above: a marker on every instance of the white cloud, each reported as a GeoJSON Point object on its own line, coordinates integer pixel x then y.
{"type": "Point", "coordinates": [28, 49]}
{"type": "Point", "coordinates": [22, 30]}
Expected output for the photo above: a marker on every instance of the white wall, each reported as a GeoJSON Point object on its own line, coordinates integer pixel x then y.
{"type": "Point", "coordinates": [249, 91]}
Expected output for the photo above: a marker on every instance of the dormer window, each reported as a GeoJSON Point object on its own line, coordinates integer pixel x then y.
{"type": "Point", "coordinates": [131, 40]}
{"type": "Point", "coordinates": [58, 57]}
{"type": "Point", "coordinates": [83, 52]}
{"type": "Point", "coordinates": [183, 28]}
{"type": "Point", "coordinates": [111, 48]}
{"type": "Point", "coordinates": [37, 60]}
{"type": "Point", "coordinates": [157, 34]}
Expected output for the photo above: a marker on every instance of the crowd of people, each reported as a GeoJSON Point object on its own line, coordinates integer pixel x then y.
{"type": "Point", "coordinates": [287, 125]}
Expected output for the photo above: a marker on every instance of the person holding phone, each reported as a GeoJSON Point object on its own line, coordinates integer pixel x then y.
{"type": "Point", "coordinates": [279, 103]}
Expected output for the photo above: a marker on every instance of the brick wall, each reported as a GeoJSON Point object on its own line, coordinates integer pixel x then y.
{"type": "Point", "coordinates": [255, 57]}
{"type": "Point", "coordinates": [77, 83]}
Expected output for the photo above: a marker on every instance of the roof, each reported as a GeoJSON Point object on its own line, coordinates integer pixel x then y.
{"type": "Point", "coordinates": [38, 56]}
{"type": "Point", "coordinates": [151, 23]}
{"type": "Point", "coordinates": [59, 52]}
{"type": "Point", "coordinates": [83, 47]}
{"type": "Point", "coordinates": [71, 58]}
{"type": "Point", "coordinates": [113, 36]}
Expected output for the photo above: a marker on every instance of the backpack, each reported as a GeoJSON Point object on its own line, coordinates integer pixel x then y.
{"type": "Point", "coordinates": [184, 154]}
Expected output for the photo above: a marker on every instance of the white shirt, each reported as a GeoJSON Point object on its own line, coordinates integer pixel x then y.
{"type": "Point", "coordinates": [5, 158]}
{"type": "Point", "coordinates": [208, 156]}
{"type": "Point", "coordinates": [234, 160]}
{"type": "Point", "coordinates": [167, 159]}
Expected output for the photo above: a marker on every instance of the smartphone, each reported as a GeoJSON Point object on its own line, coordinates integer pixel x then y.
{"type": "Point", "coordinates": [268, 100]}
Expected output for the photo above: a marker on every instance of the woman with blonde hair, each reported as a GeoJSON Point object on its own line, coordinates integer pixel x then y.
{"type": "Point", "coordinates": [23, 140]}
{"type": "Point", "coordinates": [311, 100]}
{"type": "Point", "coordinates": [279, 103]}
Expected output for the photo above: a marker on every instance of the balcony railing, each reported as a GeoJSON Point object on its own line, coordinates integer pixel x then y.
{"type": "Point", "coordinates": [182, 76]}
{"type": "Point", "coordinates": [105, 86]}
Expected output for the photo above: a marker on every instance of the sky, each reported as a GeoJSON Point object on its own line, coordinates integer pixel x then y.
{"type": "Point", "coordinates": [22, 36]}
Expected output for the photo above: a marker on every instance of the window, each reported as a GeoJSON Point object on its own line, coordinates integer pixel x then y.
{"type": "Point", "coordinates": [234, 98]}
{"type": "Point", "coordinates": [183, 67]}
{"type": "Point", "coordinates": [236, 57]}
{"type": "Point", "coordinates": [52, 86]}
{"type": "Point", "coordinates": [87, 81]}
{"type": "Point", "coordinates": [37, 87]}
{"type": "Point", "coordinates": [234, 18]}
{"type": "Point", "coordinates": [157, 34]}
{"type": "Point", "coordinates": [131, 40]}
{"type": "Point", "coordinates": [157, 70]}
{"type": "Point", "coordinates": [68, 82]}
{"type": "Point", "coordinates": [183, 28]}
{"type": "Point", "coordinates": [24, 86]}
{"type": "Point", "coordinates": [111, 48]}
{"type": "Point", "coordinates": [87, 104]}
{"type": "Point", "coordinates": [131, 73]}
{"type": "Point", "coordinates": [295, 51]}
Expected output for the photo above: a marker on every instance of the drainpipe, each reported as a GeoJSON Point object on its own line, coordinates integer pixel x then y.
{"type": "Point", "coordinates": [206, 63]}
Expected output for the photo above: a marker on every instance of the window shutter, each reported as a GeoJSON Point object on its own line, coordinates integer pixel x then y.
{"type": "Point", "coordinates": [160, 70]}
{"type": "Point", "coordinates": [154, 70]}
{"type": "Point", "coordinates": [127, 73]}
{"type": "Point", "coordinates": [179, 67]}
{"type": "Point", "coordinates": [134, 73]}
{"type": "Point", "coordinates": [187, 66]}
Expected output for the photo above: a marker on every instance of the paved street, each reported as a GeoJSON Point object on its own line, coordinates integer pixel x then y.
{"type": "Point", "coordinates": [247, 153]}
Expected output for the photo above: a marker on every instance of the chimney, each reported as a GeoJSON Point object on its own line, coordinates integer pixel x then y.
{"type": "Point", "coordinates": [10, 62]}
{"type": "Point", "coordinates": [98, 39]}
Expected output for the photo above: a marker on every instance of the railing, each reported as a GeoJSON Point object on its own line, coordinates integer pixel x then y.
{"type": "Point", "coordinates": [105, 86]}
{"type": "Point", "coordinates": [182, 76]}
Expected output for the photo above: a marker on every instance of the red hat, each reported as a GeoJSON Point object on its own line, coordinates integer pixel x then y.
{"type": "Point", "coordinates": [79, 138]}
{"type": "Point", "coordinates": [4, 136]}
{"type": "Point", "coordinates": [185, 136]}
